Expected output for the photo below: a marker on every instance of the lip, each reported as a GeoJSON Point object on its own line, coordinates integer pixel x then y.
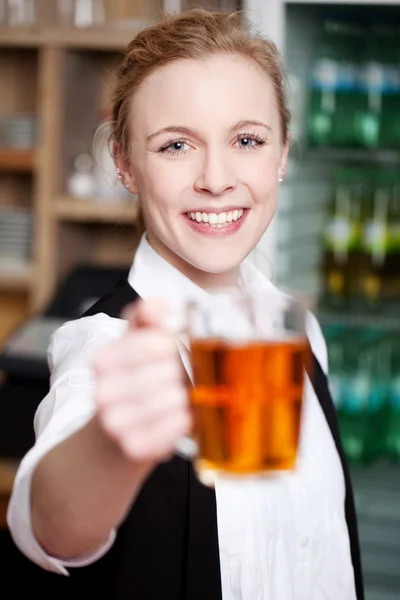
{"type": "Point", "coordinates": [206, 230]}
{"type": "Point", "coordinates": [211, 209]}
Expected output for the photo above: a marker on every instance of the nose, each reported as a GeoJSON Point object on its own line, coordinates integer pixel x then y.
{"type": "Point", "coordinates": [217, 175]}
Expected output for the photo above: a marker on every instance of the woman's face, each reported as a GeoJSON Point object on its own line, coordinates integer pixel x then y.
{"type": "Point", "coordinates": [206, 156]}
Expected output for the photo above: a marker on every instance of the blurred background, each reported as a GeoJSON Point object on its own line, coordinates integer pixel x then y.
{"type": "Point", "coordinates": [68, 229]}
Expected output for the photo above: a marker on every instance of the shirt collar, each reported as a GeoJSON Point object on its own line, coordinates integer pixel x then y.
{"type": "Point", "coordinates": [152, 276]}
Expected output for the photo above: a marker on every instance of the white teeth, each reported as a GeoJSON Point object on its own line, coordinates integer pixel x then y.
{"type": "Point", "coordinates": [222, 218]}
{"type": "Point", "coordinates": [216, 220]}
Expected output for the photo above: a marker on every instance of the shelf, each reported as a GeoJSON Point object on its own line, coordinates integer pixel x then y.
{"type": "Point", "coordinates": [92, 211]}
{"type": "Point", "coordinates": [93, 39]}
{"type": "Point", "coordinates": [18, 161]}
{"type": "Point", "coordinates": [15, 280]}
{"type": "Point", "coordinates": [18, 37]}
{"type": "Point", "coordinates": [387, 158]}
{"type": "Point", "coordinates": [110, 38]}
{"type": "Point", "coordinates": [385, 318]}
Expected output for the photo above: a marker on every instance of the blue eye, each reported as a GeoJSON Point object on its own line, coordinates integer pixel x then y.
{"type": "Point", "coordinates": [250, 141]}
{"type": "Point", "coordinates": [177, 146]}
{"type": "Point", "coordinates": [246, 142]}
{"type": "Point", "coordinates": [174, 147]}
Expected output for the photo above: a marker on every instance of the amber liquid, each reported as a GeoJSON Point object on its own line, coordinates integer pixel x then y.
{"type": "Point", "coordinates": [247, 404]}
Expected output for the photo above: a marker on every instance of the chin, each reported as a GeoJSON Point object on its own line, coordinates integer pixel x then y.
{"type": "Point", "coordinates": [214, 266]}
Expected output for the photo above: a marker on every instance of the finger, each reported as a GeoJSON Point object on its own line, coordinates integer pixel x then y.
{"type": "Point", "coordinates": [159, 440]}
{"type": "Point", "coordinates": [150, 379]}
{"type": "Point", "coordinates": [143, 314]}
{"type": "Point", "coordinates": [120, 419]}
{"type": "Point", "coordinates": [135, 349]}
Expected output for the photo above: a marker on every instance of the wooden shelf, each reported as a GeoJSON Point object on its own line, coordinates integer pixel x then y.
{"type": "Point", "coordinates": [93, 39]}
{"type": "Point", "coordinates": [18, 280]}
{"type": "Point", "coordinates": [17, 37]}
{"type": "Point", "coordinates": [17, 160]}
{"type": "Point", "coordinates": [92, 211]}
{"type": "Point", "coordinates": [110, 38]}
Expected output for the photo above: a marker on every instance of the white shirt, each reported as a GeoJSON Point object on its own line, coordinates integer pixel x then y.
{"type": "Point", "coordinates": [279, 539]}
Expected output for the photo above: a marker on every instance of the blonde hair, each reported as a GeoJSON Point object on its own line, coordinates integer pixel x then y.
{"type": "Point", "coordinates": [193, 34]}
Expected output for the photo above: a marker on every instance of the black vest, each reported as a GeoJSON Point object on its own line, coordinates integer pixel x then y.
{"type": "Point", "coordinates": [167, 547]}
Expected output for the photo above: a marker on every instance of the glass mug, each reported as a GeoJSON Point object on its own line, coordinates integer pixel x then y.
{"type": "Point", "coordinates": [248, 356]}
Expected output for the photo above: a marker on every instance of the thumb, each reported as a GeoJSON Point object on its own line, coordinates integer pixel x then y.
{"type": "Point", "coordinates": [145, 313]}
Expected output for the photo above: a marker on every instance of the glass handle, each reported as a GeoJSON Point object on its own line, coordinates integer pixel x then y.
{"type": "Point", "coordinates": [186, 448]}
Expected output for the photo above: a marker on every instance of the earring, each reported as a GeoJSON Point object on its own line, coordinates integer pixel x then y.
{"type": "Point", "coordinates": [119, 173]}
{"type": "Point", "coordinates": [280, 179]}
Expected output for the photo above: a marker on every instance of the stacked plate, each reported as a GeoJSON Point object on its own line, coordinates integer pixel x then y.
{"type": "Point", "coordinates": [16, 226]}
{"type": "Point", "coordinates": [18, 131]}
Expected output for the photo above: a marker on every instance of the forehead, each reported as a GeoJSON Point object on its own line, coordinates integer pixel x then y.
{"type": "Point", "coordinates": [219, 89]}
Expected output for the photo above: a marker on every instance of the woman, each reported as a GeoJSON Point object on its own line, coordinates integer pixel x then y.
{"type": "Point", "coordinates": [200, 131]}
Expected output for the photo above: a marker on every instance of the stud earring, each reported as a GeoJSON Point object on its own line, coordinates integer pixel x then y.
{"type": "Point", "coordinates": [120, 177]}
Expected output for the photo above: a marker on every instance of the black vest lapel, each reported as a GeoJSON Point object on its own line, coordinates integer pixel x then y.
{"type": "Point", "coordinates": [113, 303]}
{"type": "Point", "coordinates": [203, 564]}
{"type": "Point", "coordinates": [182, 540]}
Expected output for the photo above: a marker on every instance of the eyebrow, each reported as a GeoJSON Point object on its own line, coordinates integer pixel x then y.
{"type": "Point", "coordinates": [189, 131]}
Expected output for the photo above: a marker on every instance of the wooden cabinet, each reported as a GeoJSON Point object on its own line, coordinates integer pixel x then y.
{"type": "Point", "coordinates": [59, 78]}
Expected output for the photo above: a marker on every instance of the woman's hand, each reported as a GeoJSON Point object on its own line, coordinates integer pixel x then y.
{"type": "Point", "coordinates": [141, 395]}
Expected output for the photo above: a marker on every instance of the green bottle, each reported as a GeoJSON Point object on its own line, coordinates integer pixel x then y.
{"type": "Point", "coordinates": [390, 49]}
{"type": "Point", "coordinates": [344, 127]}
{"type": "Point", "coordinates": [375, 239]}
{"type": "Point", "coordinates": [333, 334]}
{"type": "Point", "coordinates": [323, 87]}
{"type": "Point", "coordinates": [393, 256]}
{"type": "Point", "coordinates": [342, 240]}
{"type": "Point", "coordinates": [371, 89]}
{"type": "Point", "coordinates": [377, 371]}
{"type": "Point", "coordinates": [352, 412]}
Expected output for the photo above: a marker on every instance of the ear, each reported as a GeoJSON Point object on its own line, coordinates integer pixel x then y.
{"type": "Point", "coordinates": [283, 159]}
{"type": "Point", "coordinates": [124, 170]}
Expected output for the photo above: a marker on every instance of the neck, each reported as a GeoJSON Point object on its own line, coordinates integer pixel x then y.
{"type": "Point", "coordinates": [201, 278]}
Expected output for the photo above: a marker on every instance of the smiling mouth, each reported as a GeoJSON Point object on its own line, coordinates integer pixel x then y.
{"type": "Point", "coordinates": [216, 220]}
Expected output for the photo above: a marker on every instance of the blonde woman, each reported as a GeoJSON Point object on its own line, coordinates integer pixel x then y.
{"type": "Point", "coordinates": [200, 129]}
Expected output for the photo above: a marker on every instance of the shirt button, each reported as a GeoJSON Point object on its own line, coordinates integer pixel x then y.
{"type": "Point", "coordinates": [304, 541]}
